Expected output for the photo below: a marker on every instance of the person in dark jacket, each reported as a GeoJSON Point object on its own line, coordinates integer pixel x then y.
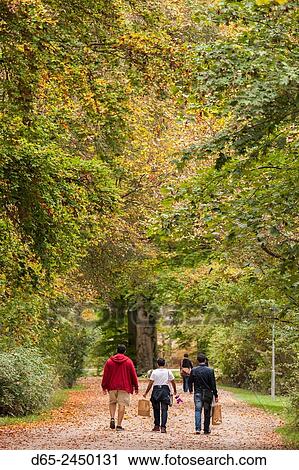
{"type": "Point", "coordinates": [120, 380]}
{"type": "Point", "coordinates": [202, 380]}
{"type": "Point", "coordinates": [160, 379]}
{"type": "Point", "coordinates": [185, 370]}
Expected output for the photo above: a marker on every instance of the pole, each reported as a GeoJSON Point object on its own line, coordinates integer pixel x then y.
{"type": "Point", "coordinates": [273, 363]}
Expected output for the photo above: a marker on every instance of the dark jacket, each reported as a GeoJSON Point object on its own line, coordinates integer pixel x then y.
{"type": "Point", "coordinates": [186, 363]}
{"type": "Point", "coordinates": [202, 378]}
{"type": "Point", "coordinates": [161, 393]}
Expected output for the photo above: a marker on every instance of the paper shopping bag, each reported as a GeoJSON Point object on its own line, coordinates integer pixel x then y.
{"type": "Point", "coordinates": [144, 407]}
{"type": "Point", "coordinates": [216, 414]}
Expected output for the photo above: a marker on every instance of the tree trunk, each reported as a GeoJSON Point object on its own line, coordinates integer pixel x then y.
{"type": "Point", "coordinates": [132, 333]}
{"type": "Point", "coordinates": [146, 337]}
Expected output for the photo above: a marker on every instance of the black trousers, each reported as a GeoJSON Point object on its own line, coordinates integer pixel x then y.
{"type": "Point", "coordinates": [160, 401]}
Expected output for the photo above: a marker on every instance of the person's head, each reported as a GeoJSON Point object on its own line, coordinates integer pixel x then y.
{"type": "Point", "coordinates": [161, 362]}
{"type": "Point", "coordinates": [186, 355]}
{"type": "Point", "coordinates": [121, 349]}
{"type": "Point", "coordinates": [201, 358]}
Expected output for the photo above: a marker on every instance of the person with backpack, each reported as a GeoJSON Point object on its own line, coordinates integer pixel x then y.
{"type": "Point", "coordinates": [202, 380]}
{"type": "Point", "coordinates": [160, 380]}
{"type": "Point", "coordinates": [185, 370]}
{"type": "Point", "coordinates": [119, 380]}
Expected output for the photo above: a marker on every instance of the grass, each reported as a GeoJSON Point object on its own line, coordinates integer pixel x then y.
{"type": "Point", "coordinates": [60, 396]}
{"type": "Point", "coordinates": [90, 372]}
{"type": "Point", "coordinates": [276, 406]}
{"type": "Point", "coordinates": [176, 374]}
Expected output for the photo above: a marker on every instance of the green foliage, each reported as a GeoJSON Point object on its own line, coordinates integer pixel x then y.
{"type": "Point", "coordinates": [228, 313]}
{"type": "Point", "coordinates": [88, 93]}
{"type": "Point", "coordinates": [34, 321]}
{"type": "Point", "coordinates": [70, 353]}
{"type": "Point", "coordinates": [84, 98]}
{"type": "Point", "coordinates": [27, 382]}
{"type": "Point", "coordinates": [111, 330]}
{"type": "Point", "coordinates": [229, 230]}
{"type": "Point", "coordinates": [150, 148]}
{"type": "Point", "coordinates": [65, 339]}
{"type": "Point", "coordinates": [58, 399]}
{"type": "Point", "coordinates": [54, 186]}
{"type": "Point", "coordinates": [294, 409]}
{"type": "Point", "coordinates": [248, 74]}
{"type": "Point", "coordinates": [232, 354]}
{"type": "Point", "coordinates": [23, 320]}
{"type": "Point", "coordinates": [240, 363]}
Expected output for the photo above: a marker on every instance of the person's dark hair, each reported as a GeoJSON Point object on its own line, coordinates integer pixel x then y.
{"type": "Point", "coordinates": [201, 358]}
{"type": "Point", "coordinates": [161, 361]}
{"type": "Point", "coordinates": [121, 349]}
{"type": "Point", "coordinates": [186, 355]}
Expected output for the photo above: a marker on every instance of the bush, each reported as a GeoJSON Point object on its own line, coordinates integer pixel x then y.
{"type": "Point", "coordinates": [26, 382]}
{"type": "Point", "coordinates": [232, 354]}
{"type": "Point", "coordinates": [294, 409]}
{"type": "Point", "coordinates": [243, 354]}
{"type": "Point", "coordinates": [66, 345]}
{"type": "Point", "coordinates": [74, 341]}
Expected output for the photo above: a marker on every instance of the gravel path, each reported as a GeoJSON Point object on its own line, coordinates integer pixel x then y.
{"type": "Point", "coordinates": [83, 423]}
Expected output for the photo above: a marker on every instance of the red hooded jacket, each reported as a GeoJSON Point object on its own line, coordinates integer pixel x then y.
{"type": "Point", "coordinates": [119, 374]}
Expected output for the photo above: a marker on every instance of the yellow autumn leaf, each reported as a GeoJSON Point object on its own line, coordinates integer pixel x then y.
{"type": "Point", "coordinates": [262, 2]}
{"type": "Point", "coordinates": [20, 47]}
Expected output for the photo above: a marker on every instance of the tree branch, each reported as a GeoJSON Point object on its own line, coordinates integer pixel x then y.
{"type": "Point", "coordinates": [270, 252]}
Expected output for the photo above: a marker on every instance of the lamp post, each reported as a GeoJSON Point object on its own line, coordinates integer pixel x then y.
{"type": "Point", "coordinates": [273, 363]}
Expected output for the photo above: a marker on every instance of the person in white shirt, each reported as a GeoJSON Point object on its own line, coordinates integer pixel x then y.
{"type": "Point", "coordinates": [160, 380]}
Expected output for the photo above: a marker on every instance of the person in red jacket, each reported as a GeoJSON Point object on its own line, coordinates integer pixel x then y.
{"type": "Point", "coordinates": [120, 380]}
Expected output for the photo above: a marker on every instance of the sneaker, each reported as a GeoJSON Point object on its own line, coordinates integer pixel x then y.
{"type": "Point", "coordinates": [197, 432]}
{"type": "Point", "coordinates": [207, 432]}
{"type": "Point", "coordinates": [119, 428]}
{"type": "Point", "coordinates": [112, 423]}
{"type": "Point", "coordinates": [163, 429]}
{"type": "Point", "coordinates": [156, 428]}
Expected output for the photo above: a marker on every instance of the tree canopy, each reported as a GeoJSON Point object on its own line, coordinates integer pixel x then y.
{"type": "Point", "coordinates": [149, 178]}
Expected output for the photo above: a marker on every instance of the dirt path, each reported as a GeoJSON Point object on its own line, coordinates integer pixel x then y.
{"type": "Point", "coordinates": [83, 423]}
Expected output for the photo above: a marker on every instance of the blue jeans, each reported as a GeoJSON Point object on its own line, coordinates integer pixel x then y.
{"type": "Point", "coordinates": [205, 404]}
{"type": "Point", "coordinates": [186, 385]}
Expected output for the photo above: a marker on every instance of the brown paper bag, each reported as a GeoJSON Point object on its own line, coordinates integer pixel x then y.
{"type": "Point", "coordinates": [144, 407]}
{"type": "Point", "coordinates": [216, 414]}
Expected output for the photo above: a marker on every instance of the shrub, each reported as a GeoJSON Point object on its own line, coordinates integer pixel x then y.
{"type": "Point", "coordinates": [73, 345]}
{"type": "Point", "coordinates": [294, 409]}
{"type": "Point", "coordinates": [26, 382]}
{"type": "Point", "coordinates": [67, 350]}
{"type": "Point", "coordinates": [231, 353]}
{"type": "Point", "coordinates": [243, 354]}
